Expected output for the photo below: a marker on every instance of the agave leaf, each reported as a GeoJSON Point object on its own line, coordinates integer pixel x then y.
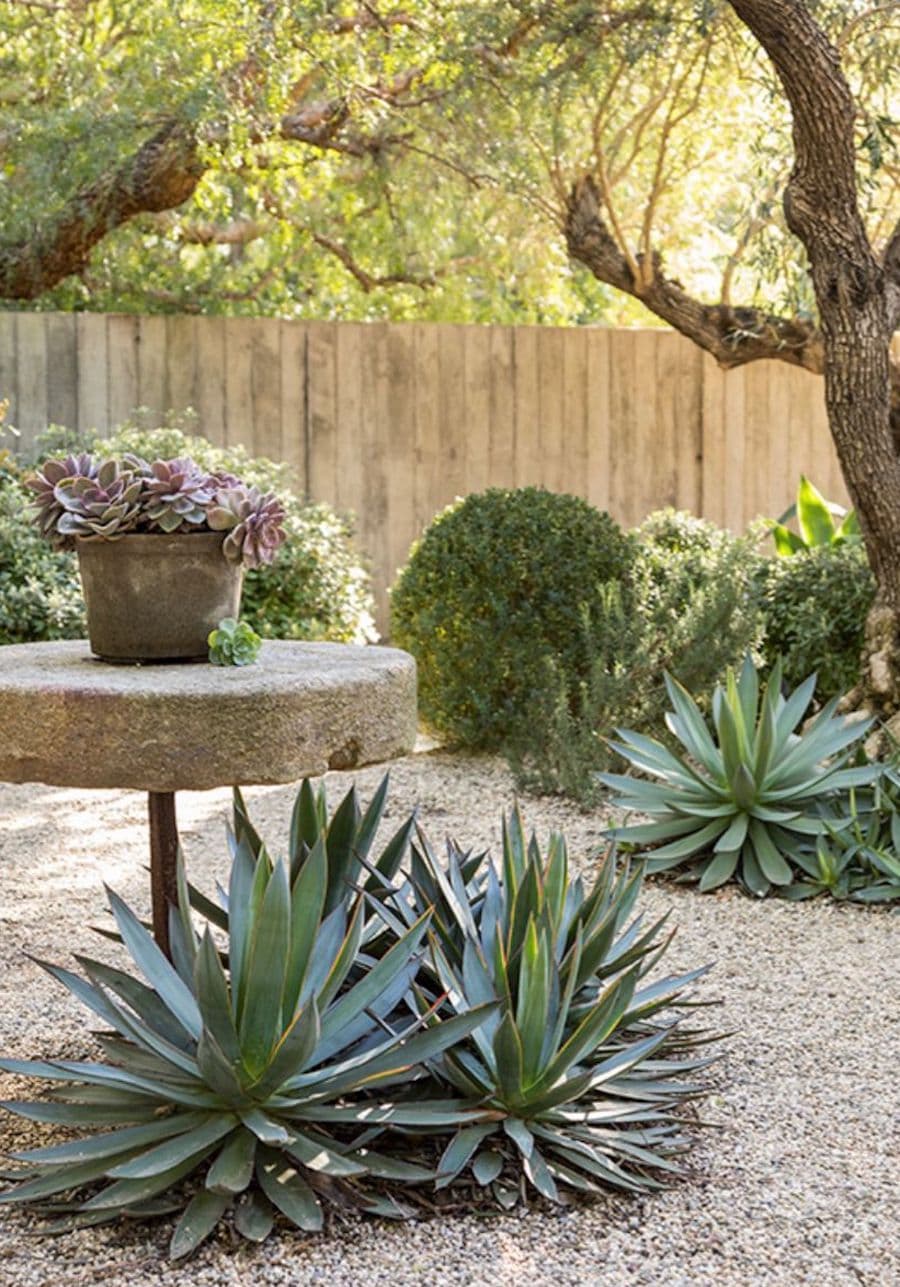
{"type": "Point", "coordinates": [459, 1151]}
{"type": "Point", "coordinates": [719, 869]}
{"type": "Point", "coordinates": [532, 1010]}
{"type": "Point", "coordinates": [307, 902]}
{"type": "Point", "coordinates": [520, 1135]}
{"type": "Point", "coordinates": [849, 530]}
{"type": "Point", "coordinates": [254, 1217]}
{"type": "Point", "coordinates": [392, 855]}
{"type": "Point", "coordinates": [771, 863]}
{"type": "Point", "coordinates": [266, 1129]}
{"type": "Point", "coordinates": [487, 1167]}
{"type": "Point", "coordinates": [370, 820]}
{"type": "Point", "coordinates": [813, 516]}
{"type": "Point", "coordinates": [200, 1217]}
{"type": "Point", "coordinates": [340, 846]}
{"type": "Point", "coordinates": [232, 1170]}
{"type": "Point", "coordinates": [171, 1152]}
{"type": "Point", "coordinates": [246, 878]}
{"type": "Point", "coordinates": [260, 1005]}
{"type": "Point", "coordinates": [141, 999]}
{"type": "Point", "coordinates": [156, 969]}
{"type": "Point", "coordinates": [66, 1114]}
{"type": "Point", "coordinates": [211, 988]}
{"type": "Point", "coordinates": [509, 1059]}
{"type": "Point", "coordinates": [124, 1194]}
{"type": "Point", "coordinates": [735, 835]}
{"type": "Point", "coordinates": [536, 1169]}
{"type": "Point", "coordinates": [288, 1191]}
{"type": "Point", "coordinates": [112, 1143]}
{"type": "Point", "coordinates": [317, 1155]}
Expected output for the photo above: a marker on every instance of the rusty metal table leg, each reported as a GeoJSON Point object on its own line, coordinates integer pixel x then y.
{"type": "Point", "coordinates": [163, 857]}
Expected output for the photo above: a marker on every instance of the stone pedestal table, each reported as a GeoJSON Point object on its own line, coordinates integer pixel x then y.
{"type": "Point", "coordinates": [67, 719]}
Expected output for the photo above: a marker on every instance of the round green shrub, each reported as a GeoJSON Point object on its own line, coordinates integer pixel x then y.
{"type": "Point", "coordinates": [317, 587]}
{"type": "Point", "coordinates": [40, 594]}
{"type": "Point", "coordinates": [815, 606]}
{"type": "Point", "coordinates": [501, 583]}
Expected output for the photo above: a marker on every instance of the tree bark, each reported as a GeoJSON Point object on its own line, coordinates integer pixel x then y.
{"type": "Point", "coordinates": [859, 305]}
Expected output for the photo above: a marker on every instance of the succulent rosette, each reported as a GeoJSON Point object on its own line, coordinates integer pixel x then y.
{"type": "Point", "coordinates": [79, 496]}
{"type": "Point", "coordinates": [47, 509]}
{"type": "Point", "coordinates": [177, 495]}
{"type": "Point", "coordinates": [107, 505]}
{"type": "Point", "coordinates": [253, 521]}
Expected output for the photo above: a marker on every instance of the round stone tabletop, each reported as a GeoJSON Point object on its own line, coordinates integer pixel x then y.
{"type": "Point", "coordinates": [67, 719]}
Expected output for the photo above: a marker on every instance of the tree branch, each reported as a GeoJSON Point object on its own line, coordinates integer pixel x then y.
{"type": "Point", "coordinates": [161, 174]}
{"type": "Point", "coordinates": [734, 336]}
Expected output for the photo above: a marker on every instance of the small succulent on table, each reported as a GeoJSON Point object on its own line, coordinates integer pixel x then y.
{"type": "Point", "coordinates": [233, 643]}
{"type": "Point", "coordinates": [83, 496]}
{"type": "Point", "coordinates": [751, 795]}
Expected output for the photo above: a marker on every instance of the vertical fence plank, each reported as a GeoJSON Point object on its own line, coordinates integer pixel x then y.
{"type": "Point", "coordinates": [239, 382]}
{"type": "Point", "coordinates": [502, 449]}
{"type": "Point", "coordinates": [622, 455]}
{"type": "Point", "coordinates": [428, 443]}
{"type": "Point", "coordinates": [181, 365]}
{"type": "Point", "coordinates": [713, 440]}
{"type": "Point", "coordinates": [321, 425]}
{"type": "Point", "coordinates": [650, 452]}
{"type": "Point", "coordinates": [476, 426]}
{"type": "Point", "coordinates": [527, 405]}
{"type": "Point", "coordinates": [551, 428]}
{"type": "Point", "coordinates": [598, 412]}
{"type": "Point", "coordinates": [209, 377]}
{"type": "Point", "coordinates": [31, 379]}
{"type": "Point", "coordinates": [349, 466]}
{"type": "Point", "coordinates": [123, 393]}
{"type": "Point", "coordinates": [687, 420]}
{"type": "Point", "coordinates": [62, 370]}
{"type": "Point", "coordinates": [93, 379]}
{"type": "Point", "coordinates": [8, 386]}
{"type": "Point", "coordinates": [266, 374]}
{"type": "Point", "coordinates": [398, 433]}
{"type": "Point", "coordinates": [373, 511]}
{"type": "Point", "coordinates": [293, 399]}
{"type": "Point", "coordinates": [153, 394]}
{"type": "Point", "coordinates": [574, 463]}
{"type": "Point", "coordinates": [451, 414]}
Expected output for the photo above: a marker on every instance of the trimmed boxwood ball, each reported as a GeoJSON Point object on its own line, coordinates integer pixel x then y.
{"type": "Point", "coordinates": [499, 583]}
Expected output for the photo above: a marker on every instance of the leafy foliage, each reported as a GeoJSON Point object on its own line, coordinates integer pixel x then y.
{"type": "Point", "coordinates": [500, 583]}
{"type": "Point", "coordinates": [691, 609]}
{"type": "Point", "coordinates": [815, 607]}
{"type": "Point", "coordinates": [316, 588]}
{"type": "Point", "coordinates": [348, 1024]}
{"type": "Point", "coordinates": [816, 520]}
{"type": "Point", "coordinates": [747, 796]}
{"type": "Point", "coordinates": [233, 643]}
{"type": "Point", "coordinates": [40, 594]}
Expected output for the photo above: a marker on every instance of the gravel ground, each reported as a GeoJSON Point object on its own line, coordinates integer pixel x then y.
{"type": "Point", "coordinates": [797, 1181]}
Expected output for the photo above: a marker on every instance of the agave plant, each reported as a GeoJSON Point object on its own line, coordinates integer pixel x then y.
{"type": "Point", "coordinates": [228, 1078]}
{"type": "Point", "coordinates": [177, 494]}
{"type": "Point", "coordinates": [858, 857]}
{"type": "Point", "coordinates": [106, 505]}
{"type": "Point", "coordinates": [580, 1069]}
{"type": "Point", "coordinates": [751, 794]}
{"type": "Point", "coordinates": [253, 522]}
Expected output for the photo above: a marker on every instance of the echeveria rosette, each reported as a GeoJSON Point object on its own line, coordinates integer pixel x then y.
{"type": "Point", "coordinates": [47, 509]}
{"type": "Point", "coordinates": [233, 643]}
{"type": "Point", "coordinates": [254, 523]}
{"type": "Point", "coordinates": [107, 505]}
{"type": "Point", "coordinates": [177, 495]}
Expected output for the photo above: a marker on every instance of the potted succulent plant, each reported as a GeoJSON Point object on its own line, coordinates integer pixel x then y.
{"type": "Point", "coordinates": [161, 545]}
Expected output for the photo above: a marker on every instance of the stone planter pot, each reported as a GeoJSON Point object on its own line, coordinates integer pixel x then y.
{"type": "Point", "coordinates": [151, 597]}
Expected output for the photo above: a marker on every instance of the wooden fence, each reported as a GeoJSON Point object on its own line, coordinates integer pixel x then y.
{"type": "Point", "coordinates": [394, 420]}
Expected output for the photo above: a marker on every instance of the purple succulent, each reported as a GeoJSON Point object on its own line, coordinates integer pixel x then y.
{"type": "Point", "coordinates": [177, 495]}
{"type": "Point", "coordinates": [106, 505]}
{"type": "Point", "coordinates": [47, 509]}
{"type": "Point", "coordinates": [253, 521]}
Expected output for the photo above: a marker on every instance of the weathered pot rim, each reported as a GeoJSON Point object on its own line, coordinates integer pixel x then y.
{"type": "Point", "coordinates": [153, 542]}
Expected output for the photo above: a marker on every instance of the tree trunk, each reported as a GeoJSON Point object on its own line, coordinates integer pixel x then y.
{"type": "Point", "coordinates": [859, 306]}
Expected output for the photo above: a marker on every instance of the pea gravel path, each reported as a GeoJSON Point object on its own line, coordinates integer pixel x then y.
{"type": "Point", "coordinates": [798, 1183]}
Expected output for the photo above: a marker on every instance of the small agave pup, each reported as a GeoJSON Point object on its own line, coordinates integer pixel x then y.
{"type": "Point", "coordinates": [127, 521]}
